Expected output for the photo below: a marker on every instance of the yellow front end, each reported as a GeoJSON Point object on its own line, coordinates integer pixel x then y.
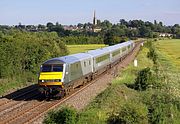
{"type": "Point", "coordinates": [50, 84]}
{"type": "Point", "coordinates": [50, 78]}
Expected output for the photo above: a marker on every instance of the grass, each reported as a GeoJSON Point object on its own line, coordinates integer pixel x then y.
{"type": "Point", "coordinates": [129, 74]}
{"type": "Point", "coordinates": [169, 54]}
{"type": "Point", "coordinates": [83, 48]}
{"type": "Point", "coordinates": [170, 50]}
{"type": "Point", "coordinates": [7, 85]}
{"type": "Point", "coordinates": [117, 94]}
{"type": "Point", "coordinates": [12, 84]}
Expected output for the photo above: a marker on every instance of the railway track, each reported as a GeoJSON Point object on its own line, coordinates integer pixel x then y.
{"type": "Point", "coordinates": [23, 109]}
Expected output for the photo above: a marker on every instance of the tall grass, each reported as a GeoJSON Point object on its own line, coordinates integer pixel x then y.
{"type": "Point", "coordinates": [169, 53]}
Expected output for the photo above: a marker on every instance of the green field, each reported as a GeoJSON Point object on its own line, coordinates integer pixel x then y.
{"type": "Point", "coordinates": [169, 62]}
{"type": "Point", "coordinates": [170, 49]}
{"type": "Point", "coordinates": [83, 48]}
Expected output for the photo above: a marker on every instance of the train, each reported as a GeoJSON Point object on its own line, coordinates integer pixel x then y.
{"type": "Point", "coordinates": [60, 76]}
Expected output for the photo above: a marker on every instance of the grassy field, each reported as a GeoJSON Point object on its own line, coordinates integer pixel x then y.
{"type": "Point", "coordinates": [83, 48]}
{"type": "Point", "coordinates": [170, 49]}
{"type": "Point", "coordinates": [169, 61]}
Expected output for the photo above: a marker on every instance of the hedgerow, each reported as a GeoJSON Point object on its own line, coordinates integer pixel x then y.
{"type": "Point", "coordinates": [22, 53]}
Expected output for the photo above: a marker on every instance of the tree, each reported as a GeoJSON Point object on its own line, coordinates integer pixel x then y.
{"type": "Point", "coordinates": [144, 79]}
{"type": "Point", "coordinates": [146, 32]}
{"type": "Point", "coordinates": [49, 25]}
{"type": "Point", "coordinates": [123, 22]}
{"type": "Point", "coordinates": [41, 27]}
{"type": "Point", "coordinates": [106, 25]}
{"type": "Point", "coordinates": [110, 38]}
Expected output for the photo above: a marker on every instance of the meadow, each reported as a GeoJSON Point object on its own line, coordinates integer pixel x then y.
{"type": "Point", "coordinates": [83, 48]}
{"type": "Point", "coordinates": [170, 49]}
{"type": "Point", "coordinates": [169, 62]}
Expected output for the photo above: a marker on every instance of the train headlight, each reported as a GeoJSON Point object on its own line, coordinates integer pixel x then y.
{"type": "Point", "coordinates": [42, 80]}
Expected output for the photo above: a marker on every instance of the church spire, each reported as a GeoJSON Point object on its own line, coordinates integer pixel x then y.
{"type": "Point", "coordinates": [94, 18]}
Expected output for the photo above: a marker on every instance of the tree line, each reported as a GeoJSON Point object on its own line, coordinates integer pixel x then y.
{"type": "Point", "coordinates": [110, 33]}
{"type": "Point", "coordinates": [23, 52]}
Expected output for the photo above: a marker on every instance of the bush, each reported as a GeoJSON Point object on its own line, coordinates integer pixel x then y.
{"type": "Point", "coordinates": [23, 52]}
{"type": "Point", "coordinates": [65, 115]}
{"type": "Point", "coordinates": [152, 55]}
{"type": "Point", "coordinates": [129, 113]}
{"type": "Point", "coordinates": [144, 79]}
{"type": "Point", "coordinates": [152, 52]}
{"type": "Point", "coordinates": [82, 40]}
{"type": "Point", "coordinates": [162, 108]}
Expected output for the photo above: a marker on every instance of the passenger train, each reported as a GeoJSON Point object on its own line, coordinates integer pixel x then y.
{"type": "Point", "coordinates": [59, 76]}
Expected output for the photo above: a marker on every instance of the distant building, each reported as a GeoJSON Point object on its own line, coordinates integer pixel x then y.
{"type": "Point", "coordinates": [95, 28]}
{"type": "Point", "coordinates": [70, 27]}
{"type": "Point", "coordinates": [165, 35]}
{"type": "Point", "coordinates": [92, 27]}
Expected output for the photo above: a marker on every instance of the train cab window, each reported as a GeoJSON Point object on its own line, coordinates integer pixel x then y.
{"type": "Point", "coordinates": [57, 68]}
{"type": "Point", "coordinates": [46, 68]}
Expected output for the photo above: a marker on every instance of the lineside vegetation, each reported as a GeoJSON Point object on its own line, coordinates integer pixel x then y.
{"type": "Point", "coordinates": [147, 94]}
{"type": "Point", "coordinates": [22, 53]}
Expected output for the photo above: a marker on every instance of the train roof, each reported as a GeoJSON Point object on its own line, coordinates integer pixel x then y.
{"type": "Point", "coordinates": [117, 46]}
{"type": "Point", "coordinates": [82, 56]}
{"type": "Point", "coordinates": [70, 58]}
{"type": "Point", "coordinates": [108, 49]}
{"type": "Point", "coordinates": [98, 52]}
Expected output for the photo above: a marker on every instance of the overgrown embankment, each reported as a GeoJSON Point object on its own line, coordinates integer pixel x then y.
{"type": "Point", "coordinates": [140, 94]}
{"type": "Point", "coordinates": [21, 54]}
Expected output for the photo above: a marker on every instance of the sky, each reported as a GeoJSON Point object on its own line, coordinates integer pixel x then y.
{"type": "Point", "coordinates": [66, 12]}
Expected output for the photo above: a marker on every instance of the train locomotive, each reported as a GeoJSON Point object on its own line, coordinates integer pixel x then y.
{"type": "Point", "coordinates": [59, 76]}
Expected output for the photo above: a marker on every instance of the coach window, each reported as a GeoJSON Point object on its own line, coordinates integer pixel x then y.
{"type": "Point", "coordinates": [84, 64]}
{"type": "Point", "coordinates": [123, 49]}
